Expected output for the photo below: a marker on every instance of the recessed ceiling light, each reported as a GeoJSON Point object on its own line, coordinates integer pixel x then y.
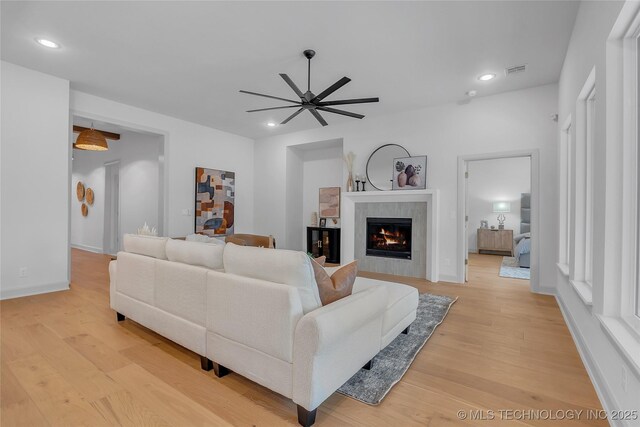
{"type": "Point", "coordinates": [271, 124]}
{"type": "Point", "coordinates": [48, 43]}
{"type": "Point", "coordinates": [486, 77]}
{"type": "Point", "coordinates": [472, 93]}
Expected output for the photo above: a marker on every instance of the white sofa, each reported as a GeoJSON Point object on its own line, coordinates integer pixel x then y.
{"type": "Point", "coordinates": [257, 312]}
{"type": "Point", "coordinates": [162, 284]}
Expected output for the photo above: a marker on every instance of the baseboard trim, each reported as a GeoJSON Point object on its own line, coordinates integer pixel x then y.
{"type": "Point", "coordinates": [87, 248]}
{"type": "Point", "coordinates": [448, 278]}
{"type": "Point", "coordinates": [33, 290]}
{"type": "Point", "coordinates": [547, 290]}
{"type": "Point", "coordinates": [599, 383]}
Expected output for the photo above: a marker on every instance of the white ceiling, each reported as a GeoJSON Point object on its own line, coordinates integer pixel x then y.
{"type": "Point", "coordinates": [189, 59]}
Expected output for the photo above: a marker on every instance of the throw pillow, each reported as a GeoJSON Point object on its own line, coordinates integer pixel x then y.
{"type": "Point", "coordinates": [338, 285]}
{"type": "Point", "coordinates": [321, 260]}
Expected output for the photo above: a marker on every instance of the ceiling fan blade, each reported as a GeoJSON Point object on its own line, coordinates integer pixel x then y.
{"type": "Point", "coordinates": [348, 101]}
{"type": "Point", "coordinates": [341, 112]}
{"type": "Point", "coordinates": [269, 96]}
{"type": "Point", "coordinates": [318, 117]}
{"type": "Point", "coordinates": [334, 87]}
{"type": "Point", "coordinates": [292, 85]}
{"type": "Point", "coordinates": [273, 108]}
{"type": "Point", "coordinates": [284, 122]}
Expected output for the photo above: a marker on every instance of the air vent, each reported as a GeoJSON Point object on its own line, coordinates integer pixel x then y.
{"type": "Point", "coordinates": [515, 69]}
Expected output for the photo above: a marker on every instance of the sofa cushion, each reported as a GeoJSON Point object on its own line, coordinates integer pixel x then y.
{"type": "Point", "coordinates": [338, 285]}
{"type": "Point", "coordinates": [291, 268]}
{"type": "Point", "coordinates": [195, 253]}
{"type": "Point", "coordinates": [145, 245]}
{"type": "Point", "coordinates": [403, 300]}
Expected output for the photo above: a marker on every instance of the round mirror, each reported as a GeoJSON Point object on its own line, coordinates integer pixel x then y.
{"type": "Point", "coordinates": [380, 165]}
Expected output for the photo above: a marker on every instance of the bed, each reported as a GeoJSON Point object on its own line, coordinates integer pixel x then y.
{"type": "Point", "coordinates": [522, 241]}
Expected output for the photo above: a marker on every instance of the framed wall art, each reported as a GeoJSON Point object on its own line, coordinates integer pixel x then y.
{"type": "Point", "coordinates": [410, 173]}
{"type": "Point", "coordinates": [214, 204]}
{"type": "Point", "coordinates": [329, 204]}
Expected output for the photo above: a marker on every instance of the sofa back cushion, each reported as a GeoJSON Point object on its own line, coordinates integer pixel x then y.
{"type": "Point", "coordinates": [181, 290]}
{"type": "Point", "coordinates": [195, 253]}
{"type": "Point", "coordinates": [291, 268]}
{"type": "Point", "coordinates": [204, 239]}
{"type": "Point", "coordinates": [145, 245]}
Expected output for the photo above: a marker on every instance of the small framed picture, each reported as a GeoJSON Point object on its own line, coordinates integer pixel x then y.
{"type": "Point", "coordinates": [323, 222]}
{"type": "Point", "coordinates": [410, 173]}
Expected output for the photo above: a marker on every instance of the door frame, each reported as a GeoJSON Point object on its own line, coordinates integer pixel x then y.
{"type": "Point", "coordinates": [534, 155]}
{"type": "Point", "coordinates": [163, 165]}
{"type": "Point", "coordinates": [108, 185]}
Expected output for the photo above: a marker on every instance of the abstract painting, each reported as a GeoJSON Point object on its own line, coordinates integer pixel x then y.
{"type": "Point", "coordinates": [215, 194]}
{"type": "Point", "coordinates": [410, 173]}
{"type": "Point", "coordinates": [329, 202]}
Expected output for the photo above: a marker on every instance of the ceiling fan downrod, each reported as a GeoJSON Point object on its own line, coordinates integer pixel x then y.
{"type": "Point", "coordinates": [309, 53]}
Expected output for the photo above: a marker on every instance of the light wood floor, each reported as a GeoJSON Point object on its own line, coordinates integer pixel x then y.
{"type": "Point", "coordinates": [66, 361]}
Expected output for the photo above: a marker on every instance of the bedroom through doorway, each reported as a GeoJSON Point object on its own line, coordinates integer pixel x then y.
{"type": "Point", "coordinates": [497, 212]}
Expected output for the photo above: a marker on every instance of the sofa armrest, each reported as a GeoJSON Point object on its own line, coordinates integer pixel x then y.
{"type": "Point", "coordinates": [333, 342]}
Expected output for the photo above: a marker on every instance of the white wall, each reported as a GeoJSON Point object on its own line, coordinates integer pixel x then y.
{"type": "Point", "coordinates": [187, 146]}
{"type": "Point", "coordinates": [34, 181]}
{"type": "Point", "coordinates": [602, 358]}
{"type": "Point", "coordinates": [321, 168]}
{"type": "Point", "coordinates": [495, 180]}
{"type": "Point", "coordinates": [512, 121]}
{"type": "Point", "coordinates": [139, 187]}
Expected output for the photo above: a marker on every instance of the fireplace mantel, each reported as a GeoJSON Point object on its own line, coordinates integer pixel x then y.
{"type": "Point", "coordinates": [430, 196]}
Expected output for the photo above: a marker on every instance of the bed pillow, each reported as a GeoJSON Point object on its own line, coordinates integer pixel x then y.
{"type": "Point", "coordinates": [519, 237]}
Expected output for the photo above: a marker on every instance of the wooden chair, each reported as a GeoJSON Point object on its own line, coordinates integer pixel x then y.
{"type": "Point", "coordinates": [252, 240]}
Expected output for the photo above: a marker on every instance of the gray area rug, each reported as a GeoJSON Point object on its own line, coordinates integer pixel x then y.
{"type": "Point", "coordinates": [512, 270]}
{"type": "Point", "coordinates": [393, 361]}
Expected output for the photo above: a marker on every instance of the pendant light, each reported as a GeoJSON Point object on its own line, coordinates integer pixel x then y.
{"type": "Point", "coordinates": [92, 140]}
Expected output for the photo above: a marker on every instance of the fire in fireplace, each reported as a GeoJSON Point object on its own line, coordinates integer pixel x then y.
{"type": "Point", "coordinates": [389, 237]}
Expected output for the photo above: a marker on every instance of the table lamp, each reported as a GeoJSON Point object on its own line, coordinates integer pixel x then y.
{"type": "Point", "coordinates": [501, 208]}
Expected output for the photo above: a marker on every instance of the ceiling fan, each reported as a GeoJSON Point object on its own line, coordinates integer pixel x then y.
{"type": "Point", "coordinates": [311, 102]}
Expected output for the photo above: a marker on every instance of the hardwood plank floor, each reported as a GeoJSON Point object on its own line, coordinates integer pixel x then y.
{"type": "Point", "coordinates": [66, 361]}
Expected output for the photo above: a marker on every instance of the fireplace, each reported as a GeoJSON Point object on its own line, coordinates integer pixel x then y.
{"type": "Point", "coordinates": [389, 237]}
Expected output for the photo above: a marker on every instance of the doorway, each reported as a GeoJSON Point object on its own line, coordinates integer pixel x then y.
{"type": "Point", "coordinates": [126, 182]}
{"type": "Point", "coordinates": [498, 214]}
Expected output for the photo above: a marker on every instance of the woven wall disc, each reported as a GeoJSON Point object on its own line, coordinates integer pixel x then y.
{"type": "Point", "coordinates": [80, 191]}
{"type": "Point", "coordinates": [85, 209]}
{"type": "Point", "coordinates": [89, 195]}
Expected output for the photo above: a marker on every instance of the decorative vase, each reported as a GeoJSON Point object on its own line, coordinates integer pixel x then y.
{"type": "Point", "coordinates": [350, 182]}
{"type": "Point", "coordinates": [314, 219]}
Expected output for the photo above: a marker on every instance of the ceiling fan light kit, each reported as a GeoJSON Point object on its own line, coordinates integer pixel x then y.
{"type": "Point", "coordinates": [311, 102]}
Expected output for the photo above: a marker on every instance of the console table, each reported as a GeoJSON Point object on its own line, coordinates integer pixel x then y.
{"type": "Point", "coordinates": [495, 241]}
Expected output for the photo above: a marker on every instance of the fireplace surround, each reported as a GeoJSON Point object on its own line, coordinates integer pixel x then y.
{"type": "Point", "coordinates": [389, 237]}
{"type": "Point", "coordinates": [352, 221]}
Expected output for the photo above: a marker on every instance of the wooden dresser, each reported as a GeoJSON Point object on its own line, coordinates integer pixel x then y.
{"type": "Point", "coordinates": [495, 241]}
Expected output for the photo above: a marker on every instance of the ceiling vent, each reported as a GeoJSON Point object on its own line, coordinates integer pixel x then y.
{"type": "Point", "coordinates": [515, 69]}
